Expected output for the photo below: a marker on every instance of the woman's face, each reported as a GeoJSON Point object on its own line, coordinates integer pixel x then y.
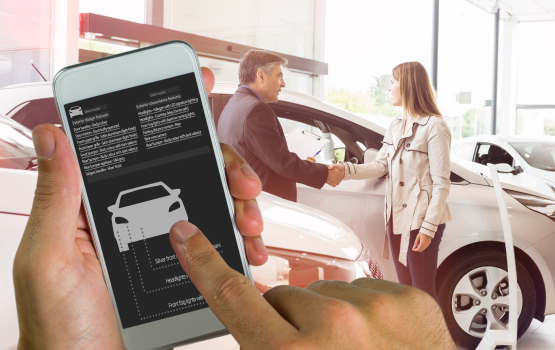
{"type": "Point", "coordinates": [395, 91]}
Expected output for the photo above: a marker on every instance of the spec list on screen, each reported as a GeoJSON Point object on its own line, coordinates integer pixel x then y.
{"type": "Point", "coordinates": [147, 162]}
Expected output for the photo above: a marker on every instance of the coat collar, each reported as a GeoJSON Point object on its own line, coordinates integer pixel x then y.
{"type": "Point", "coordinates": [398, 129]}
{"type": "Point", "coordinates": [419, 120]}
{"type": "Point", "coordinates": [246, 90]}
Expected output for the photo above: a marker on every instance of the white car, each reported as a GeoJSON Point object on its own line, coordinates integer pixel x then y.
{"type": "Point", "coordinates": [29, 104]}
{"type": "Point", "coordinates": [304, 244]}
{"type": "Point", "coordinates": [74, 111]}
{"type": "Point", "coordinates": [144, 212]}
{"type": "Point", "coordinates": [532, 159]}
{"type": "Point", "coordinates": [472, 273]}
{"type": "Point", "coordinates": [472, 266]}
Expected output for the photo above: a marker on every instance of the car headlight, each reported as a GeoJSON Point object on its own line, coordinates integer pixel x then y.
{"type": "Point", "coordinates": [174, 206]}
{"type": "Point", "coordinates": [369, 265]}
{"type": "Point", "coordinates": [120, 220]}
{"type": "Point", "coordinates": [550, 184]}
{"type": "Point", "coordinates": [538, 204]}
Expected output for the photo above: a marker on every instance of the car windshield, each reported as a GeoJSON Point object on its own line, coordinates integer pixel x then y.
{"type": "Point", "coordinates": [35, 112]}
{"type": "Point", "coordinates": [16, 146]}
{"type": "Point", "coordinates": [540, 155]}
{"type": "Point", "coordinates": [143, 195]}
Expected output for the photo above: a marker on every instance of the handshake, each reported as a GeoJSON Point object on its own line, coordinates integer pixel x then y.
{"type": "Point", "coordinates": [336, 172]}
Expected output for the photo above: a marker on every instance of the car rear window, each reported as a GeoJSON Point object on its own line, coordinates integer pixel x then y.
{"type": "Point", "coordinates": [143, 195]}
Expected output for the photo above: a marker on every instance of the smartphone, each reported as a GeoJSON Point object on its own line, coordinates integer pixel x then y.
{"type": "Point", "coordinates": [144, 137]}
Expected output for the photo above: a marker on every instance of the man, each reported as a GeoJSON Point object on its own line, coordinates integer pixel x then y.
{"type": "Point", "coordinates": [250, 125]}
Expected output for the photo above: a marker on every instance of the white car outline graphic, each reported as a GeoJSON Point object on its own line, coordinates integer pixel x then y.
{"type": "Point", "coordinates": [75, 110]}
{"type": "Point", "coordinates": [145, 212]}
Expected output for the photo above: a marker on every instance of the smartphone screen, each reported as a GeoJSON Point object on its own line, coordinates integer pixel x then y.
{"type": "Point", "coordinates": [147, 161]}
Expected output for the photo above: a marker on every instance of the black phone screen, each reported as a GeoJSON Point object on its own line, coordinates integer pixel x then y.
{"type": "Point", "coordinates": [147, 162]}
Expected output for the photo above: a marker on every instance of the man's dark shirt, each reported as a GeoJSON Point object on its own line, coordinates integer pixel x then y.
{"type": "Point", "coordinates": [253, 129]}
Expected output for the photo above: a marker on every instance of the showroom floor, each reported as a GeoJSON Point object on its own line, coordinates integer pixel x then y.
{"type": "Point", "coordinates": [540, 336]}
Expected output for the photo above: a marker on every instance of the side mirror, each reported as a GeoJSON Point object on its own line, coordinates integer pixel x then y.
{"type": "Point", "coordinates": [504, 168]}
{"type": "Point", "coordinates": [111, 208]}
{"type": "Point", "coordinates": [177, 191]}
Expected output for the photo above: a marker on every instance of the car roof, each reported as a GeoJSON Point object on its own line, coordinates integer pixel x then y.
{"type": "Point", "coordinates": [505, 139]}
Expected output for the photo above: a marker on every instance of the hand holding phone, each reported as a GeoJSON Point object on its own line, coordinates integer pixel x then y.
{"type": "Point", "coordinates": [61, 295]}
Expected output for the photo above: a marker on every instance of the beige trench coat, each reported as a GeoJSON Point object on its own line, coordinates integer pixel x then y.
{"type": "Point", "coordinates": [418, 168]}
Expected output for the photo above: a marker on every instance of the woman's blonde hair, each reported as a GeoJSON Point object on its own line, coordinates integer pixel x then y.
{"type": "Point", "coordinates": [417, 94]}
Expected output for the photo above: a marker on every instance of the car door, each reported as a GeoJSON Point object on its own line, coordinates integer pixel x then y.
{"type": "Point", "coordinates": [358, 204]}
{"type": "Point", "coordinates": [491, 153]}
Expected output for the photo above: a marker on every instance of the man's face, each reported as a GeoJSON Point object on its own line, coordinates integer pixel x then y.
{"type": "Point", "coordinates": [272, 85]}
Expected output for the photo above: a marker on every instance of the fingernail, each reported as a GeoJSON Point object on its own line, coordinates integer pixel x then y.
{"type": "Point", "coordinates": [248, 172]}
{"type": "Point", "coordinates": [45, 143]}
{"type": "Point", "coordinates": [259, 246]}
{"type": "Point", "coordinates": [251, 209]}
{"type": "Point", "coordinates": [182, 231]}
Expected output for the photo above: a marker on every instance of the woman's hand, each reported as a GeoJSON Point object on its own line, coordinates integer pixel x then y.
{"type": "Point", "coordinates": [422, 242]}
{"type": "Point", "coordinates": [339, 174]}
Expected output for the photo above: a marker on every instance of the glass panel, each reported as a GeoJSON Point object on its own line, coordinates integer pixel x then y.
{"type": "Point", "coordinates": [465, 151]}
{"type": "Point", "coordinates": [285, 27]}
{"type": "Point", "coordinates": [129, 10]}
{"type": "Point", "coordinates": [536, 72]}
{"type": "Point", "coordinates": [365, 39]}
{"type": "Point", "coordinates": [540, 155]}
{"type": "Point", "coordinates": [25, 31]}
{"type": "Point", "coordinates": [465, 67]}
{"type": "Point", "coordinates": [482, 153]}
{"type": "Point", "coordinates": [535, 122]}
{"type": "Point", "coordinates": [492, 154]}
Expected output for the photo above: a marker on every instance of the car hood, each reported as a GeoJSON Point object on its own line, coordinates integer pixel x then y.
{"type": "Point", "coordinates": [293, 226]}
{"type": "Point", "coordinates": [543, 174]}
{"type": "Point", "coordinates": [287, 225]}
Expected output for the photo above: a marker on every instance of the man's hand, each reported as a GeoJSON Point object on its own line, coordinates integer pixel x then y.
{"type": "Point", "coordinates": [311, 159]}
{"type": "Point", "coordinates": [421, 242]}
{"type": "Point", "coordinates": [62, 299]}
{"type": "Point", "coordinates": [336, 174]}
{"type": "Point", "coordinates": [364, 314]}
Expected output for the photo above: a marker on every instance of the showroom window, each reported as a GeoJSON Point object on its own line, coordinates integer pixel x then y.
{"type": "Point", "coordinates": [465, 67]}
{"type": "Point", "coordinates": [286, 27]}
{"type": "Point", "coordinates": [25, 30]}
{"type": "Point", "coordinates": [536, 73]}
{"type": "Point", "coordinates": [365, 39]}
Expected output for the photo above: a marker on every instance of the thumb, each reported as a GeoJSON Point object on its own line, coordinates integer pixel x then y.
{"type": "Point", "coordinates": [416, 242]}
{"type": "Point", "coordinates": [57, 199]}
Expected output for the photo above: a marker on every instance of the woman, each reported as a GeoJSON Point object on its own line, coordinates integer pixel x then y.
{"type": "Point", "coordinates": [415, 158]}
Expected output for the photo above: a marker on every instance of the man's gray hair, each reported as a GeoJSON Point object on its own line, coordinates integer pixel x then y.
{"type": "Point", "coordinates": [254, 60]}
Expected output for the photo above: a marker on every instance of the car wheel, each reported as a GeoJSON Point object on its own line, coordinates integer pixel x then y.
{"type": "Point", "coordinates": [474, 295]}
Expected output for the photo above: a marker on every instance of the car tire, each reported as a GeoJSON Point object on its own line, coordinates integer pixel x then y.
{"type": "Point", "coordinates": [483, 269]}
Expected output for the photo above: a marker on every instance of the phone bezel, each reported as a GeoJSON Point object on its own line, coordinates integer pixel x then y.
{"type": "Point", "coordinates": [157, 334]}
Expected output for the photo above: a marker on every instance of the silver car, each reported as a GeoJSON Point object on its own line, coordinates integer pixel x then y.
{"type": "Point", "coordinates": [532, 159]}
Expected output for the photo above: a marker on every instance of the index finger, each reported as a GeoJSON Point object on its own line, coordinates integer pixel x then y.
{"type": "Point", "coordinates": [231, 296]}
